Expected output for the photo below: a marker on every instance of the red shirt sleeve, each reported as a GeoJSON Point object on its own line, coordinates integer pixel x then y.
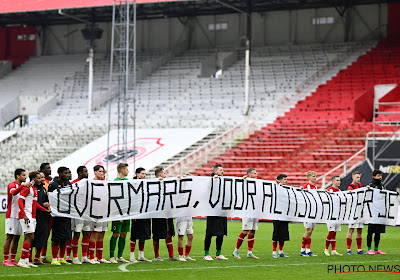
{"type": "Point", "coordinates": [21, 204]}
{"type": "Point", "coordinates": [16, 190]}
{"type": "Point", "coordinates": [40, 207]}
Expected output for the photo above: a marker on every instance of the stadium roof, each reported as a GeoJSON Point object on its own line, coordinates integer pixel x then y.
{"type": "Point", "coordinates": [43, 12]}
{"type": "Point", "coordinates": [7, 6]}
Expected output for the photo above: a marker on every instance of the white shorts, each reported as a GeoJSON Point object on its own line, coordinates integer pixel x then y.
{"type": "Point", "coordinates": [356, 225]}
{"type": "Point", "coordinates": [249, 224]}
{"type": "Point", "coordinates": [13, 227]}
{"type": "Point", "coordinates": [334, 227]}
{"type": "Point", "coordinates": [309, 225]}
{"type": "Point", "coordinates": [100, 226]}
{"type": "Point", "coordinates": [184, 225]}
{"type": "Point", "coordinates": [28, 227]}
{"type": "Point", "coordinates": [81, 225]}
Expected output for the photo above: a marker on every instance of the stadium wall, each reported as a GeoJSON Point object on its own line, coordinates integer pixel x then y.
{"type": "Point", "coordinates": [268, 28]}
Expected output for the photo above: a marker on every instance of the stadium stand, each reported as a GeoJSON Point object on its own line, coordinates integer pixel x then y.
{"type": "Point", "coordinates": [319, 133]}
{"type": "Point", "coordinates": [174, 95]}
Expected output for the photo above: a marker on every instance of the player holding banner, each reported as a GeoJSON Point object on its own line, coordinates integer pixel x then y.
{"type": "Point", "coordinates": [306, 243]}
{"type": "Point", "coordinates": [356, 184]}
{"type": "Point", "coordinates": [249, 227]}
{"type": "Point", "coordinates": [332, 228]}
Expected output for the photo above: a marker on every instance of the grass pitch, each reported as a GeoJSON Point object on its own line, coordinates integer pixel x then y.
{"type": "Point", "coordinates": [295, 267]}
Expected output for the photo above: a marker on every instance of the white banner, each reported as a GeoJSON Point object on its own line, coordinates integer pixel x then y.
{"type": "Point", "coordinates": [225, 196]}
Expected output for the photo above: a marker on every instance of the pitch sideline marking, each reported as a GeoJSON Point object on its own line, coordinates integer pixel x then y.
{"type": "Point", "coordinates": [172, 268]}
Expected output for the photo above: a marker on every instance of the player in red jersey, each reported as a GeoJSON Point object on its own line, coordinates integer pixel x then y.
{"type": "Point", "coordinates": [79, 226]}
{"type": "Point", "coordinates": [13, 228]}
{"type": "Point", "coordinates": [356, 184]}
{"type": "Point", "coordinates": [99, 228]}
{"type": "Point", "coordinates": [249, 227]}
{"type": "Point", "coordinates": [332, 227]}
{"type": "Point", "coordinates": [27, 203]}
{"type": "Point", "coordinates": [306, 243]}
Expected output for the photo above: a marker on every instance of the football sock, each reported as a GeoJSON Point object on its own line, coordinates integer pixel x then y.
{"type": "Point", "coordinates": [274, 245]}
{"type": "Point", "coordinates": [250, 242]}
{"type": "Point", "coordinates": [218, 252]}
{"type": "Point", "coordinates": [327, 241]}
{"type": "Point", "coordinates": [54, 252]}
{"type": "Point", "coordinates": [121, 246]}
{"type": "Point", "coordinates": [6, 254]}
{"type": "Point", "coordinates": [333, 241]}
{"type": "Point", "coordinates": [74, 245]}
{"type": "Point", "coordinates": [207, 243]}
{"type": "Point", "coordinates": [308, 245]}
{"type": "Point", "coordinates": [92, 247]}
{"type": "Point", "coordinates": [359, 242]}
{"type": "Point", "coordinates": [303, 244]}
{"type": "Point", "coordinates": [187, 250]}
{"type": "Point", "coordinates": [30, 254]}
{"type": "Point", "coordinates": [99, 249]}
{"type": "Point", "coordinates": [219, 240]}
{"type": "Point", "coordinates": [156, 248]}
{"type": "Point", "coordinates": [206, 253]}
{"type": "Point", "coordinates": [281, 243]}
{"type": "Point", "coordinates": [240, 240]}
{"type": "Point", "coordinates": [141, 254]}
{"type": "Point", "coordinates": [141, 245]}
{"type": "Point", "coordinates": [349, 241]}
{"type": "Point", "coordinates": [85, 245]}
{"type": "Point", "coordinates": [69, 248]}
{"type": "Point", "coordinates": [13, 254]}
{"type": "Point", "coordinates": [44, 252]}
{"type": "Point", "coordinates": [25, 250]}
{"type": "Point", "coordinates": [377, 239]}
{"type": "Point", "coordinates": [132, 245]}
{"type": "Point", "coordinates": [180, 251]}
{"type": "Point", "coordinates": [113, 244]}
{"type": "Point", "coordinates": [369, 240]}
{"type": "Point", "coordinates": [170, 247]}
{"type": "Point", "coordinates": [62, 251]}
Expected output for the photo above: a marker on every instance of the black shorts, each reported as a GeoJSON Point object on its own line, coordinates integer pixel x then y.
{"type": "Point", "coordinates": [42, 231]}
{"type": "Point", "coordinates": [217, 226]}
{"type": "Point", "coordinates": [376, 228]}
{"type": "Point", "coordinates": [141, 229]}
{"type": "Point", "coordinates": [61, 229]}
{"type": "Point", "coordinates": [161, 227]}
{"type": "Point", "coordinates": [281, 231]}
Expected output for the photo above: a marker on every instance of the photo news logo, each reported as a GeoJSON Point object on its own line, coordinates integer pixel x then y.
{"type": "Point", "coordinates": [360, 268]}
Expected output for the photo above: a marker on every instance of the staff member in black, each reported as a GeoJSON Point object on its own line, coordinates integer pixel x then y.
{"type": "Point", "coordinates": [216, 226]}
{"type": "Point", "coordinates": [376, 229]}
{"type": "Point", "coordinates": [42, 221]}
{"type": "Point", "coordinates": [141, 228]}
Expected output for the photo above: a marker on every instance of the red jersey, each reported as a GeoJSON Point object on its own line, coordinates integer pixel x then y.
{"type": "Point", "coordinates": [354, 187]}
{"type": "Point", "coordinates": [308, 186]}
{"type": "Point", "coordinates": [12, 200]}
{"type": "Point", "coordinates": [332, 189]}
{"type": "Point", "coordinates": [27, 202]}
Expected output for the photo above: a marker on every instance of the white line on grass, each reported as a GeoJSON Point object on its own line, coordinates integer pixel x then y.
{"type": "Point", "coordinates": [173, 268]}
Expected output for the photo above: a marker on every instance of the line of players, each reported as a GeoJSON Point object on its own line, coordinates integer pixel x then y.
{"type": "Point", "coordinates": [28, 213]}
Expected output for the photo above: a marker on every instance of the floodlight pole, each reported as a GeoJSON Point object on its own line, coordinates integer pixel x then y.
{"type": "Point", "coordinates": [90, 86]}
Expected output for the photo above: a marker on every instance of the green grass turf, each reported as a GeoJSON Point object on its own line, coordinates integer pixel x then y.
{"type": "Point", "coordinates": [295, 267]}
